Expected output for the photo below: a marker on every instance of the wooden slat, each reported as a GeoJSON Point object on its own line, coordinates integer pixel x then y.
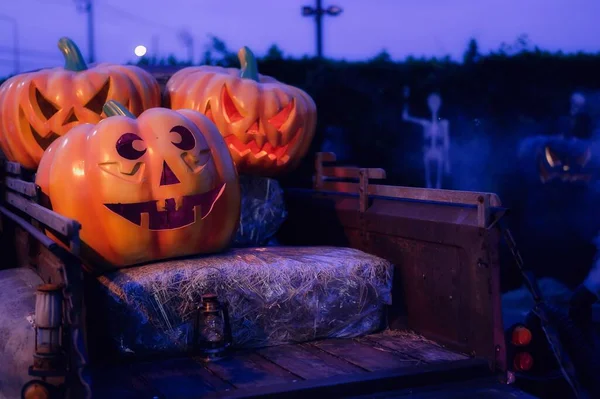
{"type": "Point", "coordinates": [12, 168]}
{"type": "Point", "coordinates": [368, 383]}
{"type": "Point", "coordinates": [372, 358]}
{"type": "Point", "coordinates": [414, 193]}
{"type": "Point", "coordinates": [422, 350]}
{"type": "Point", "coordinates": [60, 224]}
{"type": "Point", "coordinates": [326, 157]}
{"type": "Point", "coordinates": [351, 172]}
{"type": "Point", "coordinates": [250, 370]}
{"type": "Point", "coordinates": [308, 362]}
{"type": "Point", "coordinates": [20, 186]}
{"type": "Point", "coordinates": [180, 378]}
{"type": "Point", "coordinates": [120, 382]}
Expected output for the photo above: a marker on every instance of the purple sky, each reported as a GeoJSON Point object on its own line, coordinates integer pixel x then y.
{"type": "Point", "coordinates": [403, 27]}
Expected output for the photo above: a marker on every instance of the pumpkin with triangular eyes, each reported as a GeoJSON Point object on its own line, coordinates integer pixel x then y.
{"type": "Point", "coordinates": [159, 186]}
{"type": "Point", "coordinates": [267, 125]}
{"type": "Point", "coordinates": [38, 107]}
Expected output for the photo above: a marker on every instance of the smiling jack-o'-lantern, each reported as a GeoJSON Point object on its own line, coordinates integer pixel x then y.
{"type": "Point", "coordinates": [267, 125]}
{"type": "Point", "coordinates": [159, 186]}
{"type": "Point", "coordinates": [38, 107]}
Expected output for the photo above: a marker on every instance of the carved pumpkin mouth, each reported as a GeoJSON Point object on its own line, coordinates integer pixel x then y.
{"type": "Point", "coordinates": [547, 175]}
{"type": "Point", "coordinates": [277, 154]}
{"type": "Point", "coordinates": [43, 141]}
{"type": "Point", "coordinates": [560, 164]}
{"type": "Point", "coordinates": [169, 216]}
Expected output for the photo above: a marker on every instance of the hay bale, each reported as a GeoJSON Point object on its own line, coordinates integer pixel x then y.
{"type": "Point", "coordinates": [262, 212]}
{"type": "Point", "coordinates": [276, 295]}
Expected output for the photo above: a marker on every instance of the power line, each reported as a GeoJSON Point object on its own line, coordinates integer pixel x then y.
{"type": "Point", "coordinates": [32, 53]}
{"type": "Point", "coordinates": [130, 16]}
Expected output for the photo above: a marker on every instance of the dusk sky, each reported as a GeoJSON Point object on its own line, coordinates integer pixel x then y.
{"type": "Point", "coordinates": [402, 27]}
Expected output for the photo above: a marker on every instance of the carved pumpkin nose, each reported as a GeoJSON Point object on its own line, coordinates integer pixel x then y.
{"type": "Point", "coordinates": [254, 129]}
{"type": "Point", "coordinates": [168, 176]}
{"type": "Point", "coordinates": [70, 118]}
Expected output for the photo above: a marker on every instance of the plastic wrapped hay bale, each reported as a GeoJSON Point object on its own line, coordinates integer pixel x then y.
{"type": "Point", "coordinates": [276, 295]}
{"type": "Point", "coordinates": [263, 211]}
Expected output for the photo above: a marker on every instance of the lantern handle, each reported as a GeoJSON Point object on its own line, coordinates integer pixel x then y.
{"type": "Point", "coordinates": [248, 64]}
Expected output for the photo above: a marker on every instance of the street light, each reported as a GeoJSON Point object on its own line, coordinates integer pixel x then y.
{"type": "Point", "coordinates": [318, 12]}
{"type": "Point", "coordinates": [15, 40]}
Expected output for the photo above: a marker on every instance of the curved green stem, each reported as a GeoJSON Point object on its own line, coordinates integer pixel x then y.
{"type": "Point", "coordinates": [73, 58]}
{"type": "Point", "coordinates": [249, 67]}
{"type": "Point", "coordinates": [115, 108]}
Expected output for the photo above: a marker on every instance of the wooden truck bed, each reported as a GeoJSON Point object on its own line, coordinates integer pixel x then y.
{"type": "Point", "coordinates": [444, 248]}
{"type": "Point", "coordinates": [403, 359]}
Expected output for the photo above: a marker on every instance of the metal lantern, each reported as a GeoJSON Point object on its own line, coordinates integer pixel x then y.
{"type": "Point", "coordinates": [48, 355]}
{"type": "Point", "coordinates": [212, 329]}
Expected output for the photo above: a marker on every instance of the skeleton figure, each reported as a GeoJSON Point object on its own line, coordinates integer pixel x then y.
{"type": "Point", "coordinates": [577, 103]}
{"type": "Point", "coordinates": [436, 137]}
{"type": "Point", "coordinates": [581, 123]}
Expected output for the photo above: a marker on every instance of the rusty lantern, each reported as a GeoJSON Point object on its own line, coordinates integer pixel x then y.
{"type": "Point", "coordinates": [212, 329]}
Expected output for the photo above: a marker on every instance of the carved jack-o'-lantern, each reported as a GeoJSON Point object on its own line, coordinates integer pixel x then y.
{"type": "Point", "coordinates": [159, 186]}
{"type": "Point", "coordinates": [38, 107]}
{"type": "Point", "coordinates": [565, 160]}
{"type": "Point", "coordinates": [267, 125]}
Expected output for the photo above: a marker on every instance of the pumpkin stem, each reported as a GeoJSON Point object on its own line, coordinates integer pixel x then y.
{"type": "Point", "coordinates": [73, 58]}
{"type": "Point", "coordinates": [249, 67]}
{"type": "Point", "coordinates": [115, 108]}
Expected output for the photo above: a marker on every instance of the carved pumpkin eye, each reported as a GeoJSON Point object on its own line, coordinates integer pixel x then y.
{"type": "Point", "coordinates": [184, 139]}
{"type": "Point", "coordinates": [208, 112]}
{"type": "Point", "coordinates": [131, 146]}
{"type": "Point", "coordinates": [48, 109]}
{"type": "Point", "coordinates": [551, 158]}
{"type": "Point", "coordinates": [282, 116]}
{"type": "Point", "coordinates": [230, 109]}
{"type": "Point", "coordinates": [99, 99]}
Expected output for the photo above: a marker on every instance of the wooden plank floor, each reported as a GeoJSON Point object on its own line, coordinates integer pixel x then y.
{"type": "Point", "coordinates": [187, 378]}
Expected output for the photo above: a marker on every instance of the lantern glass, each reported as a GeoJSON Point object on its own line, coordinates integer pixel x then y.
{"type": "Point", "coordinates": [48, 341]}
{"type": "Point", "coordinates": [48, 319]}
{"type": "Point", "coordinates": [213, 335]}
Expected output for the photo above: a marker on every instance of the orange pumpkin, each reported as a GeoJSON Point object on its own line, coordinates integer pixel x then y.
{"type": "Point", "coordinates": [267, 125]}
{"type": "Point", "coordinates": [159, 186]}
{"type": "Point", "coordinates": [38, 107]}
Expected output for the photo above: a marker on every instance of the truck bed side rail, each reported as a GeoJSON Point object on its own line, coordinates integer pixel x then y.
{"type": "Point", "coordinates": [20, 191]}
{"type": "Point", "coordinates": [354, 180]}
{"type": "Point", "coordinates": [20, 203]}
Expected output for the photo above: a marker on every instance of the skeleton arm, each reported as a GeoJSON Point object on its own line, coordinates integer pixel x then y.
{"type": "Point", "coordinates": [406, 117]}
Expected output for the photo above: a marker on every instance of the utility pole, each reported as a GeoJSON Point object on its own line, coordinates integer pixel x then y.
{"type": "Point", "coordinates": [87, 6]}
{"type": "Point", "coordinates": [318, 12]}
{"type": "Point", "coordinates": [15, 41]}
{"type": "Point", "coordinates": [188, 41]}
{"type": "Point", "coordinates": [155, 47]}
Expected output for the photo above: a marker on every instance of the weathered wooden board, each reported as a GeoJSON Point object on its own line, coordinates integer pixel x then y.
{"type": "Point", "coordinates": [251, 370]}
{"type": "Point", "coordinates": [308, 362]}
{"type": "Point", "coordinates": [180, 378]}
{"type": "Point", "coordinates": [371, 358]}
{"type": "Point", "coordinates": [413, 346]}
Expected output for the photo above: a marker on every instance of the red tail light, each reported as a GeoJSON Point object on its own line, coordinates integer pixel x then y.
{"type": "Point", "coordinates": [521, 336]}
{"type": "Point", "coordinates": [523, 361]}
